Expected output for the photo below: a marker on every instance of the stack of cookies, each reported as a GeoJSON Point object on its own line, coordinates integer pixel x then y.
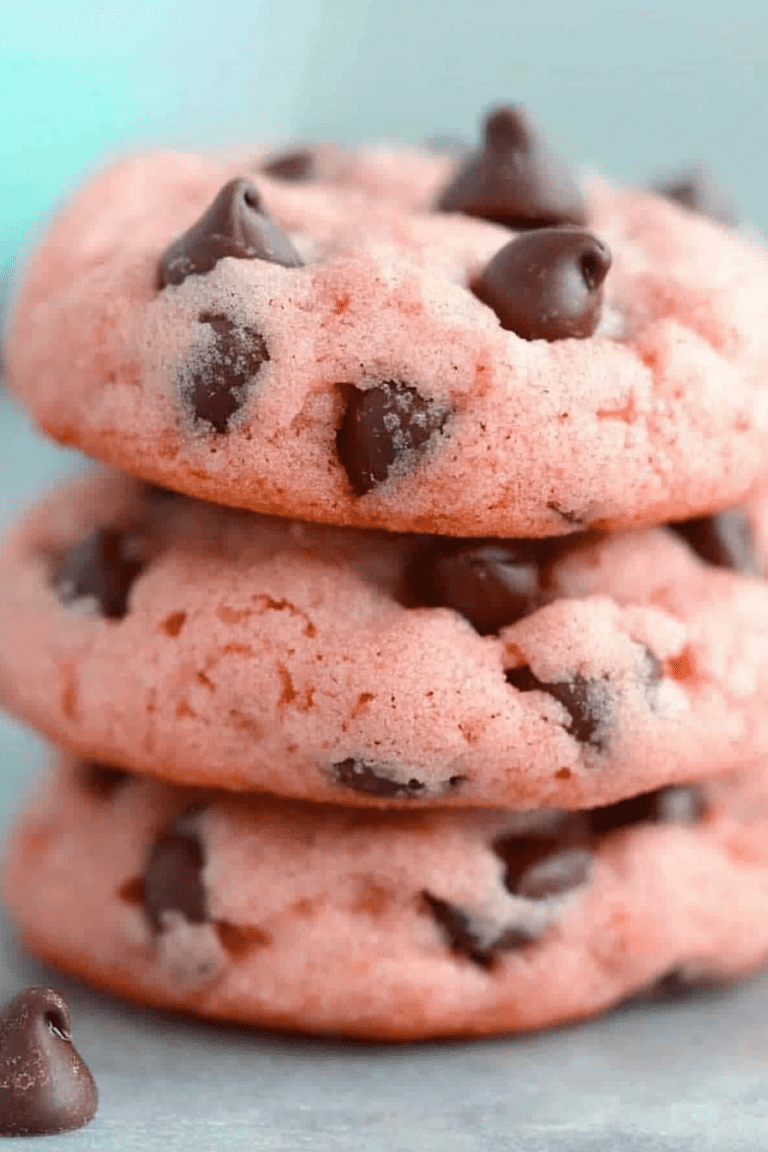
{"type": "Point", "coordinates": [411, 678]}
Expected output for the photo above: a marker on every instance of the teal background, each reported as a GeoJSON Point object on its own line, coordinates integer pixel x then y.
{"type": "Point", "coordinates": [633, 89]}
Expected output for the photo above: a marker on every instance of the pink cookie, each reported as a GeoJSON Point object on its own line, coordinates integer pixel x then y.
{"type": "Point", "coordinates": [382, 346]}
{"type": "Point", "coordinates": [216, 647]}
{"type": "Point", "coordinates": [389, 925]}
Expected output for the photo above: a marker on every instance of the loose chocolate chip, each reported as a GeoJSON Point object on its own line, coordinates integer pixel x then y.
{"type": "Point", "coordinates": [538, 867]}
{"type": "Point", "coordinates": [457, 926]}
{"type": "Point", "coordinates": [379, 780]}
{"type": "Point", "coordinates": [678, 804]}
{"type": "Point", "coordinates": [383, 428]}
{"type": "Point", "coordinates": [586, 701]}
{"type": "Point", "coordinates": [45, 1085]}
{"type": "Point", "coordinates": [102, 780]}
{"type": "Point", "coordinates": [172, 878]}
{"type": "Point", "coordinates": [492, 583]}
{"type": "Point", "coordinates": [700, 191]}
{"type": "Point", "coordinates": [224, 370]}
{"type": "Point", "coordinates": [104, 566]}
{"type": "Point", "coordinates": [547, 285]}
{"type": "Point", "coordinates": [296, 166]}
{"type": "Point", "coordinates": [235, 225]}
{"type": "Point", "coordinates": [515, 178]}
{"type": "Point", "coordinates": [724, 540]}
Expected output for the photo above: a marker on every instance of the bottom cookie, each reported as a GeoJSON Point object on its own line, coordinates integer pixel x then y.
{"type": "Point", "coordinates": [388, 925]}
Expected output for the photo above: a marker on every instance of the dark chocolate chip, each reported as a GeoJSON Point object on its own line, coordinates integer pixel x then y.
{"type": "Point", "coordinates": [682, 983]}
{"type": "Point", "coordinates": [235, 225]}
{"type": "Point", "coordinates": [173, 878]}
{"type": "Point", "coordinates": [298, 166]}
{"type": "Point", "coordinates": [102, 780]}
{"type": "Point", "coordinates": [515, 179]}
{"type": "Point", "coordinates": [538, 867]}
{"type": "Point", "coordinates": [155, 494]}
{"type": "Point", "coordinates": [678, 804]}
{"type": "Point", "coordinates": [724, 540]}
{"type": "Point", "coordinates": [699, 190]}
{"type": "Point", "coordinates": [547, 285]}
{"type": "Point", "coordinates": [224, 370]}
{"type": "Point", "coordinates": [586, 701]}
{"type": "Point", "coordinates": [380, 780]}
{"type": "Point", "coordinates": [104, 566]}
{"type": "Point", "coordinates": [457, 926]}
{"type": "Point", "coordinates": [383, 428]}
{"type": "Point", "coordinates": [45, 1085]}
{"type": "Point", "coordinates": [492, 583]}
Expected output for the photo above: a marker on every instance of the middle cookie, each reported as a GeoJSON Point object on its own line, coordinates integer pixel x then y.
{"type": "Point", "coordinates": [222, 648]}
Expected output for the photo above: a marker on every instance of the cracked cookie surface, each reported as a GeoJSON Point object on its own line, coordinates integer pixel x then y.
{"type": "Point", "coordinates": [216, 647]}
{"type": "Point", "coordinates": [331, 346]}
{"type": "Point", "coordinates": [388, 925]}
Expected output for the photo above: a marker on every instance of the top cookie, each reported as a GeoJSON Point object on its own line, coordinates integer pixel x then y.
{"type": "Point", "coordinates": [370, 339]}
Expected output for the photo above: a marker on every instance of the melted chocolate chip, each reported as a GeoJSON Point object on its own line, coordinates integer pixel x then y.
{"type": "Point", "coordinates": [173, 878]}
{"type": "Point", "coordinates": [536, 868]}
{"type": "Point", "coordinates": [491, 583]}
{"type": "Point", "coordinates": [102, 780]}
{"type": "Point", "coordinates": [683, 983]}
{"type": "Point", "coordinates": [297, 166]}
{"type": "Point", "coordinates": [379, 780]}
{"type": "Point", "coordinates": [155, 494]}
{"type": "Point", "coordinates": [224, 370]}
{"type": "Point", "coordinates": [678, 804]}
{"type": "Point", "coordinates": [457, 926]}
{"type": "Point", "coordinates": [586, 701]}
{"type": "Point", "coordinates": [547, 285]}
{"type": "Point", "coordinates": [701, 192]}
{"type": "Point", "coordinates": [724, 540]}
{"type": "Point", "coordinates": [45, 1085]}
{"type": "Point", "coordinates": [104, 566]}
{"type": "Point", "coordinates": [515, 178]}
{"type": "Point", "coordinates": [539, 867]}
{"type": "Point", "coordinates": [383, 428]}
{"type": "Point", "coordinates": [235, 225]}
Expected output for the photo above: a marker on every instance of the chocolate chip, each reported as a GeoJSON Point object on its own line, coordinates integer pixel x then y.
{"type": "Point", "coordinates": [45, 1085]}
{"type": "Point", "coordinates": [382, 780]}
{"type": "Point", "coordinates": [677, 804]}
{"type": "Point", "coordinates": [297, 166]}
{"type": "Point", "coordinates": [383, 428]}
{"type": "Point", "coordinates": [724, 540]}
{"type": "Point", "coordinates": [224, 370]}
{"type": "Point", "coordinates": [457, 926]}
{"type": "Point", "coordinates": [684, 983]}
{"type": "Point", "coordinates": [155, 494]}
{"type": "Point", "coordinates": [588, 702]}
{"type": "Point", "coordinates": [515, 178]}
{"type": "Point", "coordinates": [547, 285]}
{"type": "Point", "coordinates": [103, 566]}
{"type": "Point", "coordinates": [699, 190]}
{"type": "Point", "coordinates": [538, 867]}
{"type": "Point", "coordinates": [235, 225]}
{"type": "Point", "coordinates": [172, 878]}
{"type": "Point", "coordinates": [491, 583]}
{"type": "Point", "coordinates": [102, 780]}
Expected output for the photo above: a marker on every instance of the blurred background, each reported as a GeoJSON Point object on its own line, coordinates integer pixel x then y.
{"type": "Point", "coordinates": [635, 90]}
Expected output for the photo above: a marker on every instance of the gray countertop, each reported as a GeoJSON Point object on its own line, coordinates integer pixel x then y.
{"type": "Point", "coordinates": [685, 1075]}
